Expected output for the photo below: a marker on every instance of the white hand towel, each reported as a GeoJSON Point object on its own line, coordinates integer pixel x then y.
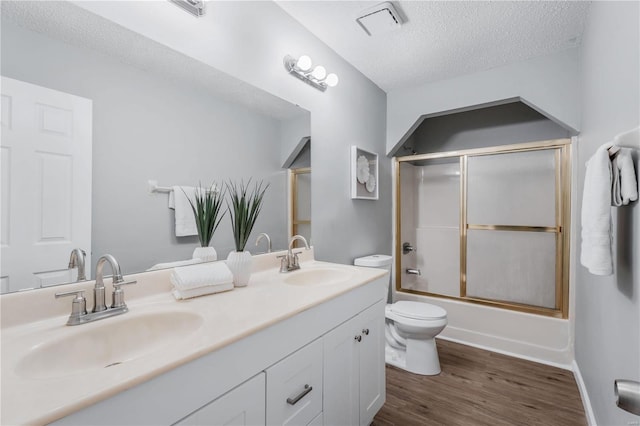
{"type": "Point", "coordinates": [185, 221]}
{"type": "Point", "coordinates": [596, 214]}
{"type": "Point", "coordinates": [201, 291]}
{"type": "Point", "coordinates": [196, 276]}
{"type": "Point", "coordinates": [175, 264]}
{"type": "Point", "coordinates": [627, 174]}
{"type": "Point", "coordinates": [616, 195]}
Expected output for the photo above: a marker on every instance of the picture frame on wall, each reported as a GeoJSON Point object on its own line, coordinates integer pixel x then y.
{"type": "Point", "coordinates": [364, 174]}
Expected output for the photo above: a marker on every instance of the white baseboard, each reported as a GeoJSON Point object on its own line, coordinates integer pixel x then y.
{"type": "Point", "coordinates": [586, 402]}
{"type": "Point", "coordinates": [504, 352]}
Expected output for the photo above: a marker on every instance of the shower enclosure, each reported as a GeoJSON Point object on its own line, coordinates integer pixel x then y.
{"type": "Point", "coordinates": [486, 226]}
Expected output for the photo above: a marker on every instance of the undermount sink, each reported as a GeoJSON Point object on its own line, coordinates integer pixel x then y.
{"type": "Point", "coordinates": [107, 343]}
{"type": "Point", "coordinates": [318, 276]}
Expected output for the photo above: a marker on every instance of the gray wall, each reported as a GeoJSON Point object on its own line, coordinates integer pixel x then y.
{"type": "Point", "coordinates": [492, 126]}
{"type": "Point", "coordinates": [148, 127]}
{"type": "Point", "coordinates": [607, 335]}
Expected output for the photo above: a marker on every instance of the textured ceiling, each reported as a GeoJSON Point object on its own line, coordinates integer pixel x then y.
{"type": "Point", "coordinates": [443, 39]}
{"type": "Point", "coordinates": [74, 25]}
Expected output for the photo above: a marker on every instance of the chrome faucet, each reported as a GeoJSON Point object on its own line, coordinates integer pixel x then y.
{"type": "Point", "coordinates": [79, 314]}
{"type": "Point", "coordinates": [77, 260]}
{"type": "Point", "coordinates": [266, 236]}
{"type": "Point", "coordinates": [98, 290]}
{"type": "Point", "coordinates": [289, 262]}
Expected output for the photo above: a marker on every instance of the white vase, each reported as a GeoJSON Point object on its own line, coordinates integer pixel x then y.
{"type": "Point", "coordinates": [240, 265]}
{"type": "Point", "coordinates": [206, 254]}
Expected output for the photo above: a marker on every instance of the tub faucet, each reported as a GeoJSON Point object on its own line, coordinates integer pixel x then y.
{"type": "Point", "coordinates": [289, 261]}
{"type": "Point", "coordinates": [79, 314]}
{"type": "Point", "coordinates": [77, 260]}
{"type": "Point", "coordinates": [265, 236]}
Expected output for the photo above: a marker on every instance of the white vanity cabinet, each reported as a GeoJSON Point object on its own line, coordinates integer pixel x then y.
{"type": "Point", "coordinates": [354, 375]}
{"type": "Point", "coordinates": [242, 406]}
{"type": "Point", "coordinates": [262, 378]}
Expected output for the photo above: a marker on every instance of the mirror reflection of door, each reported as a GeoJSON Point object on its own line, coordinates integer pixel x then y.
{"type": "Point", "coordinates": [300, 203]}
{"type": "Point", "coordinates": [46, 184]}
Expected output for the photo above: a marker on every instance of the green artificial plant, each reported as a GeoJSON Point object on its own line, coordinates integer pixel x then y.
{"type": "Point", "coordinates": [207, 211]}
{"type": "Point", "coordinates": [244, 209]}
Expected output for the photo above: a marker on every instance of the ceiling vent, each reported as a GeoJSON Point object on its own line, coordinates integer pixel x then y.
{"type": "Point", "coordinates": [379, 19]}
{"type": "Point", "coordinates": [194, 7]}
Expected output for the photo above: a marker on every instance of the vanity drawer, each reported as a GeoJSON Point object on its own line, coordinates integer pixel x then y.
{"type": "Point", "coordinates": [294, 387]}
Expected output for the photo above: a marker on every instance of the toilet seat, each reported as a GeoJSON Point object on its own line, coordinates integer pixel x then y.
{"type": "Point", "coordinates": [417, 310]}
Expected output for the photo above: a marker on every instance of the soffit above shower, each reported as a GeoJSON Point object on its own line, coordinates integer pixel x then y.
{"type": "Point", "coordinates": [441, 39]}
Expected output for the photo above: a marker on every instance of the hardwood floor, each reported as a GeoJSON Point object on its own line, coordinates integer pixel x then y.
{"type": "Point", "coordinates": [478, 387]}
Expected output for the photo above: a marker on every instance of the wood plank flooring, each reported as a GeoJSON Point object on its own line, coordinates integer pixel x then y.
{"type": "Point", "coordinates": [478, 387]}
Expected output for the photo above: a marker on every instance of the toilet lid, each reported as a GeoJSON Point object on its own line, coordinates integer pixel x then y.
{"type": "Point", "coordinates": [418, 310]}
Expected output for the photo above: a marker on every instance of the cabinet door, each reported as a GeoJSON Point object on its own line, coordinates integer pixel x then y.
{"type": "Point", "coordinates": [372, 370]}
{"type": "Point", "coordinates": [294, 387]}
{"type": "Point", "coordinates": [242, 406]}
{"type": "Point", "coordinates": [342, 375]}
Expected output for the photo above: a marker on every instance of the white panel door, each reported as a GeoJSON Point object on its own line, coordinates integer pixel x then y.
{"type": "Point", "coordinates": [46, 184]}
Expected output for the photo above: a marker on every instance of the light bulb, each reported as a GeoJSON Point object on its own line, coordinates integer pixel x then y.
{"type": "Point", "coordinates": [319, 72]}
{"type": "Point", "coordinates": [332, 80]}
{"type": "Point", "coordinates": [304, 63]}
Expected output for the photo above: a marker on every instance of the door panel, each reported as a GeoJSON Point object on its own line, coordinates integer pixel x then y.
{"type": "Point", "coordinates": [46, 184]}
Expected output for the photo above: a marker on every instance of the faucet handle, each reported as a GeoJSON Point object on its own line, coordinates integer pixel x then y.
{"type": "Point", "coordinates": [78, 305]}
{"type": "Point", "coordinates": [284, 262]}
{"type": "Point", "coordinates": [118, 294]}
{"type": "Point", "coordinates": [295, 260]}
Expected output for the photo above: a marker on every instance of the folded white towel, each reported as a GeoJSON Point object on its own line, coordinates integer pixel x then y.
{"type": "Point", "coordinates": [627, 175]}
{"type": "Point", "coordinates": [201, 291]}
{"type": "Point", "coordinates": [185, 220]}
{"type": "Point", "coordinates": [596, 214]}
{"type": "Point", "coordinates": [196, 276]}
{"type": "Point", "coordinates": [616, 195]}
{"type": "Point", "coordinates": [175, 264]}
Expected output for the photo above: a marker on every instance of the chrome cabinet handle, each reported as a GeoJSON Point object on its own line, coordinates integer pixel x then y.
{"type": "Point", "coordinates": [358, 338]}
{"type": "Point", "coordinates": [365, 331]}
{"type": "Point", "coordinates": [306, 390]}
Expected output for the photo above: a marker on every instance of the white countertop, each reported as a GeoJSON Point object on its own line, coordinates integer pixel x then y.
{"type": "Point", "coordinates": [226, 318]}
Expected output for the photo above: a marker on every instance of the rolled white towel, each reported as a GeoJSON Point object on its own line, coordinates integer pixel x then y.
{"type": "Point", "coordinates": [203, 275]}
{"type": "Point", "coordinates": [201, 291]}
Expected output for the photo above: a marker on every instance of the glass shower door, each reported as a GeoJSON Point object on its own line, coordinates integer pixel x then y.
{"type": "Point", "coordinates": [431, 226]}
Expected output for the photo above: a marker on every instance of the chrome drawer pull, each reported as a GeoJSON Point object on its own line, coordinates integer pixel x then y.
{"type": "Point", "coordinates": [294, 401]}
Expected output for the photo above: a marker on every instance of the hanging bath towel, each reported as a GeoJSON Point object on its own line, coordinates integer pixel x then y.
{"type": "Point", "coordinates": [185, 221]}
{"type": "Point", "coordinates": [596, 253]}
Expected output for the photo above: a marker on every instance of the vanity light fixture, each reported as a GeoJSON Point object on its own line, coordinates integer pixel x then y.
{"type": "Point", "coordinates": [316, 77]}
{"type": "Point", "coordinates": [194, 7]}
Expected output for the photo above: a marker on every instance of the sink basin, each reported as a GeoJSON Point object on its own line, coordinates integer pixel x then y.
{"type": "Point", "coordinates": [318, 276]}
{"type": "Point", "coordinates": [107, 343]}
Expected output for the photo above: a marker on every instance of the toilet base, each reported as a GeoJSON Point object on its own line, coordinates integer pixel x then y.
{"type": "Point", "coordinates": [419, 357]}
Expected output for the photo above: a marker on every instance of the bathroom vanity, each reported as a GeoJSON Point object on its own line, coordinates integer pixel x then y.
{"type": "Point", "coordinates": [305, 347]}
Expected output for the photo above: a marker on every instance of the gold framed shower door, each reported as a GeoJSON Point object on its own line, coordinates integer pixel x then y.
{"type": "Point", "coordinates": [562, 149]}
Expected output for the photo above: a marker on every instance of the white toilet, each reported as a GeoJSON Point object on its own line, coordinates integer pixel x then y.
{"type": "Point", "coordinates": [411, 328]}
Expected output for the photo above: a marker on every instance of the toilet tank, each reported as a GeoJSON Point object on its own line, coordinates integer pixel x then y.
{"type": "Point", "coordinates": [381, 261]}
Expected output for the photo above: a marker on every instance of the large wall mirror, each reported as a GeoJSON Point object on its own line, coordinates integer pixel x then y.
{"type": "Point", "coordinates": [90, 113]}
